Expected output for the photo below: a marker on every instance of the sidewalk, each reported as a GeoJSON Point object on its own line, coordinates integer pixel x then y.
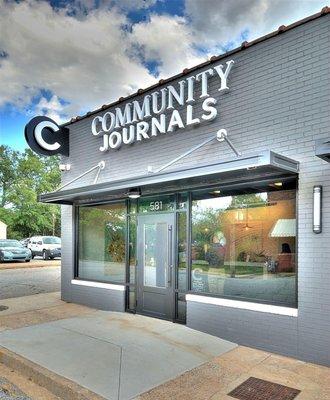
{"type": "Point", "coordinates": [115, 355]}
{"type": "Point", "coordinates": [37, 309]}
{"type": "Point", "coordinates": [25, 311]}
{"type": "Point", "coordinates": [66, 347]}
{"type": "Point", "coordinates": [215, 379]}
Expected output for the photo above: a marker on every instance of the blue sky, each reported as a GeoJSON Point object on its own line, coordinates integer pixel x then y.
{"type": "Point", "coordinates": [67, 57]}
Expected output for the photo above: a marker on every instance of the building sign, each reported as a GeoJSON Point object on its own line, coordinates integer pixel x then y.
{"type": "Point", "coordinates": [155, 204]}
{"type": "Point", "coordinates": [45, 137]}
{"type": "Point", "coordinates": [141, 120]}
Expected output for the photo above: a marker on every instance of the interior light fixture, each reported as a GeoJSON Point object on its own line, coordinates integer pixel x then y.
{"type": "Point", "coordinates": [278, 184]}
{"type": "Point", "coordinates": [134, 193]}
{"type": "Point", "coordinates": [216, 191]}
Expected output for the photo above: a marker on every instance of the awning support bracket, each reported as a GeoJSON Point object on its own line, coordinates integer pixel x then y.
{"type": "Point", "coordinates": [99, 167]}
{"type": "Point", "coordinates": [220, 136]}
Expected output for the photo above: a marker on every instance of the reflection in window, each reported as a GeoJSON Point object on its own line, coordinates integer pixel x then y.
{"type": "Point", "coordinates": [102, 243]}
{"type": "Point", "coordinates": [244, 246]}
{"type": "Point", "coordinates": [132, 248]}
{"type": "Point", "coordinates": [182, 251]}
{"type": "Point", "coordinates": [155, 255]}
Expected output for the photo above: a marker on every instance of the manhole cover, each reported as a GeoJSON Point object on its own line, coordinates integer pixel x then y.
{"type": "Point", "coordinates": [258, 389]}
{"type": "Point", "coordinates": [3, 308]}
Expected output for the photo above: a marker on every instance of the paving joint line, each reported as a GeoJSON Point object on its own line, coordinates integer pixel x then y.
{"type": "Point", "coordinates": [92, 337]}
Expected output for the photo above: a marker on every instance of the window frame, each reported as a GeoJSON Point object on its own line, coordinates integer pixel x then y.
{"type": "Point", "coordinates": [188, 210]}
{"type": "Point", "coordinates": [77, 207]}
{"type": "Point", "coordinates": [249, 300]}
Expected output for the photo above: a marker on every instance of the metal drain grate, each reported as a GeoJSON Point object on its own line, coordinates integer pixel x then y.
{"type": "Point", "coordinates": [258, 389]}
{"type": "Point", "coordinates": [3, 308]}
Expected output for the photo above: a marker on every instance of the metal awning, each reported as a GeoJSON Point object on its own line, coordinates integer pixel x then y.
{"type": "Point", "coordinates": [246, 168]}
{"type": "Point", "coordinates": [284, 228]}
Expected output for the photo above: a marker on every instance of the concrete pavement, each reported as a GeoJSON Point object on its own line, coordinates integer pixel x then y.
{"type": "Point", "coordinates": [35, 309]}
{"type": "Point", "coordinates": [218, 377]}
{"type": "Point", "coordinates": [115, 355]}
{"type": "Point", "coordinates": [89, 348]}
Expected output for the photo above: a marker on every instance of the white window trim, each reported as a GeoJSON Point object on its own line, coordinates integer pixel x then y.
{"type": "Point", "coordinates": [243, 305]}
{"type": "Point", "coordinates": [100, 285]}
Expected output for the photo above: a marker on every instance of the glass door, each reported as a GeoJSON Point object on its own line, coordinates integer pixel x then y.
{"type": "Point", "coordinates": [155, 267]}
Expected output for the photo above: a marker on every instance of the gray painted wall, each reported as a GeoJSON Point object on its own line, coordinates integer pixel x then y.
{"type": "Point", "coordinates": [279, 99]}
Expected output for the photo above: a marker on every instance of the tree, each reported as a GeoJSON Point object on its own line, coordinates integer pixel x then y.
{"type": "Point", "coordinates": [8, 167]}
{"type": "Point", "coordinates": [246, 200]}
{"type": "Point", "coordinates": [23, 177]}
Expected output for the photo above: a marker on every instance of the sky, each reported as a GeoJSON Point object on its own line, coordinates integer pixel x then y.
{"type": "Point", "coordinates": [64, 58]}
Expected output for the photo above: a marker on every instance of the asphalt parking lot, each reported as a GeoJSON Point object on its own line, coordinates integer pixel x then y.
{"type": "Point", "coordinates": [24, 279]}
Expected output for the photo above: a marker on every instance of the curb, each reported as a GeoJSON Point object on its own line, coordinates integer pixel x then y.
{"type": "Point", "coordinates": [55, 384]}
{"type": "Point", "coordinates": [26, 266]}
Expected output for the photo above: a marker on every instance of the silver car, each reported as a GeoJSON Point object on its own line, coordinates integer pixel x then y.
{"type": "Point", "coordinates": [13, 250]}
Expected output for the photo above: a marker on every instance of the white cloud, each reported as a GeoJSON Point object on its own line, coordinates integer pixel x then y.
{"type": "Point", "coordinates": [169, 41]}
{"type": "Point", "coordinates": [88, 56]}
{"type": "Point", "coordinates": [52, 108]}
{"type": "Point", "coordinates": [217, 22]}
{"type": "Point", "coordinates": [86, 62]}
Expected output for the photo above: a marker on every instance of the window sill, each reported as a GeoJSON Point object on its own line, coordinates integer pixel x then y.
{"type": "Point", "coordinates": [243, 305]}
{"type": "Point", "coordinates": [99, 285]}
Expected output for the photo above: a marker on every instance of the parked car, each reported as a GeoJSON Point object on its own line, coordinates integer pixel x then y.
{"type": "Point", "coordinates": [13, 250]}
{"type": "Point", "coordinates": [25, 242]}
{"type": "Point", "coordinates": [48, 247]}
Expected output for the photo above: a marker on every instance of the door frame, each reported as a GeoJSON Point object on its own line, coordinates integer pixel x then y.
{"type": "Point", "coordinates": [170, 296]}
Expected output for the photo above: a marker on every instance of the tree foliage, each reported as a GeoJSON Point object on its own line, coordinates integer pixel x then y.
{"type": "Point", "coordinates": [24, 176]}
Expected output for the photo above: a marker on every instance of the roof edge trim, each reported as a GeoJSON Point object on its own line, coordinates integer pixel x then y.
{"type": "Point", "coordinates": [282, 29]}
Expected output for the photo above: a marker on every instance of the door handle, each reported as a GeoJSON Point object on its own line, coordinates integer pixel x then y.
{"type": "Point", "coordinates": [170, 255]}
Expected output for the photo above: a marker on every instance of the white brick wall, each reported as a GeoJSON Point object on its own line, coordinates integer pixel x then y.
{"type": "Point", "coordinates": [279, 99]}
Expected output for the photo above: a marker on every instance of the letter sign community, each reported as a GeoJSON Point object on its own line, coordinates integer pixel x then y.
{"type": "Point", "coordinates": [144, 119]}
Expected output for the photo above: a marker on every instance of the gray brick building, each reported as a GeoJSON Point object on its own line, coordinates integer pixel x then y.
{"type": "Point", "coordinates": [203, 211]}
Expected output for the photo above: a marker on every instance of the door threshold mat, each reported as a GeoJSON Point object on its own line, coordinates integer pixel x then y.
{"type": "Point", "coordinates": [9, 391]}
{"type": "Point", "coordinates": [258, 389]}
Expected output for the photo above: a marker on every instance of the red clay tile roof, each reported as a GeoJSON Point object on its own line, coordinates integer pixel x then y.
{"type": "Point", "coordinates": [244, 45]}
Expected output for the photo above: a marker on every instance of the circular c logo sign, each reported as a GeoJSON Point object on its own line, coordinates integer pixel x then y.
{"type": "Point", "coordinates": [45, 137]}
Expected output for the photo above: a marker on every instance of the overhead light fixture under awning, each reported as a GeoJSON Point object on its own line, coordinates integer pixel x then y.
{"type": "Point", "coordinates": [284, 228]}
{"type": "Point", "coordinates": [266, 164]}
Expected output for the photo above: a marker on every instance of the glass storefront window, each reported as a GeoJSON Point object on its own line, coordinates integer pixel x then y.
{"type": "Point", "coordinates": [243, 246]}
{"type": "Point", "coordinates": [182, 201]}
{"type": "Point", "coordinates": [182, 250]}
{"type": "Point", "coordinates": [132, 206]}
{"type": "Point", "coordinates": [132, 248]}
{"type": "Point", "coordinates": [101, 236]}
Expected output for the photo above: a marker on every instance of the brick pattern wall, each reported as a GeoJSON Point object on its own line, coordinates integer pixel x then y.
{"type": "Point", "coordinates": [279, 99]}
